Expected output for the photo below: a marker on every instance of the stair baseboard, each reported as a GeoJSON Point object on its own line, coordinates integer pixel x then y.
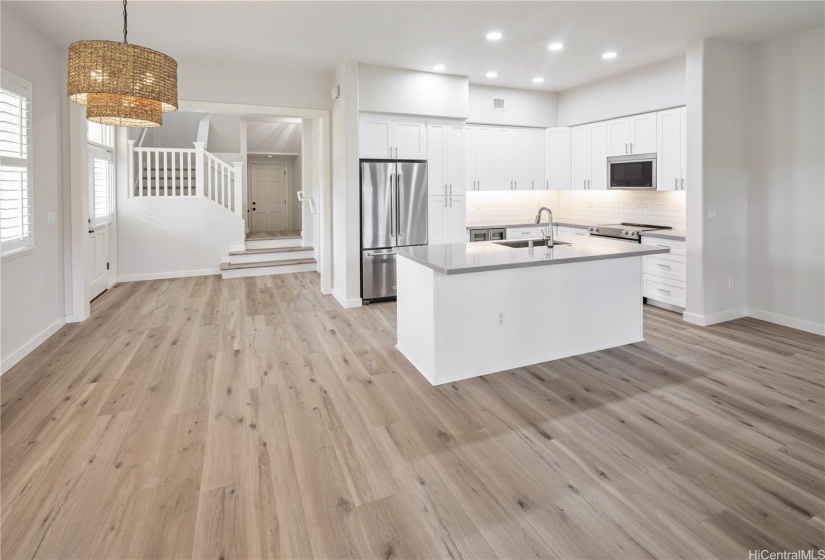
{"type": "Point", "coordinates": [267, 268]}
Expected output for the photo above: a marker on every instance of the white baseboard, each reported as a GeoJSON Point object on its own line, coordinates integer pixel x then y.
{"type": "Point", "coordinates": [786, 321]}
{"type": "Point", "coordinates": [347, 303]}
{"type": "Point", "coordinates": [9, 361]}
{"type": "Point", "coordinates": [714, 318]}
{"type": "Point", "coordinates": [167, 275]}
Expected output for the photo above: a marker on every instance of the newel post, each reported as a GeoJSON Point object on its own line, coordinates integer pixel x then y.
{"type": "Point", "coordinates": [237, 185]}
{"type": "Point", "coordinates": [130, 168]}
{"type": "Point", "coordinates": [200, 167]}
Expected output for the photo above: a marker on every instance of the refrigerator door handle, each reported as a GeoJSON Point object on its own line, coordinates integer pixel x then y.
{"type": "Point", "coordinates": [392, 209]}
{"type": "Point", "coordinates": [398, 208]}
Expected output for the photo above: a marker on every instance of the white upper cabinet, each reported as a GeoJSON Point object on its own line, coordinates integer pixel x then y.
{"type": "Point", "coordinates": [671, 150]}
{"type": "Point", "coordinates": [598, 154]}
{"type": "Point", "coordinates": [643, 133]}
{"type": "Point", "coordinates": [376, 138]}
{"type": "Point", "coordinates": [503, 159]}
{"type": "Point", "coordinates": [521, 160]}
{"type": "Point", "coordinates": [480, 158]}
{"type": "Point", "coordinates": [557, 160]}
{"type": "Point", "coordinates": [385, 137]}
{"type": "Point", "coordinates": [537, 171]}
{"type": "Point", "coordinates": [410, 139]}
{"type": "Point", "coordinates": [590, 156]}
{"type": "Point", "coordinates": [631, 135]}
{"type": "Point", "coordinates": [445, 146]}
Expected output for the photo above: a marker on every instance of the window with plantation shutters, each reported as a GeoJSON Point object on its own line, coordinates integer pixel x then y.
{"type": "Point", "coordinates": [101, 189]}
{"type": "Point", "coordinates": [16, 227]}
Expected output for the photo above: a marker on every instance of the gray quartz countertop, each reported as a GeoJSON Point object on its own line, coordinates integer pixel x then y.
{"type": "Point", "coordinates": [558, 221]}
{"type": "Point", "coordinates": [461, 258]}
{"type": "Point", "coordinates": [675, 234]}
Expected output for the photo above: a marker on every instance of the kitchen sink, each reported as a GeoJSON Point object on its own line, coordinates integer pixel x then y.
{"type": "Point", "coordinates": [524, 243]}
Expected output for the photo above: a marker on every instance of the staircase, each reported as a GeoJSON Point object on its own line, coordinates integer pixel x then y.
{"type": "Point", "coordinates": [268, 256]}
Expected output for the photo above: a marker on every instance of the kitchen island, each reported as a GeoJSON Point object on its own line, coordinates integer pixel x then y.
{"type": "Point", "coordinates": [468, 309]}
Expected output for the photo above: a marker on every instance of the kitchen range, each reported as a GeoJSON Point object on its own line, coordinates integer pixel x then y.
{"type": "Point", "coordinates": [624, 231]}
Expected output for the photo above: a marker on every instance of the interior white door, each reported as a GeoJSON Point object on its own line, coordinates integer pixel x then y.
{"type": "Point", "coordinates": [376, 137]}
{"type": "Point", "coordinates": [97, 262]}
{"type": "Point", "coordinates": [582, 146]}
{"type": "Point", "coordinates": [598, 157]}
{"type": "Point", "coordinates": [268, 197]}
{"type": "Point", "coordinates": [437, 220]}
{"type": "Point", "coordinates": [618, 137]}
{"type": "Point", "coordinates": [521, 159]}
{"type": "Point", "coordinates": [643, 133]}
{"type": "Point", "coordinates": [454, 159]}
{"type": "Point", "coordinates": [669, 150]}
{"type": "Point", "coordinates": [410, 139]}
{"type": "Point", "coordinates": [503, 159]}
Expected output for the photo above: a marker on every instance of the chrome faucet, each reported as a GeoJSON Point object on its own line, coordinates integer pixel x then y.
{"type": "Point", "coordinates": [546, 233]}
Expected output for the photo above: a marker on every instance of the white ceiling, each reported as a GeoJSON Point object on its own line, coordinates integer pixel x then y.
{"type": "Point", "coordinates": [416, 35]}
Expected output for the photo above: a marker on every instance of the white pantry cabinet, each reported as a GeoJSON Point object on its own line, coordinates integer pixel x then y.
{"type": "Point", "coordinates": [671, 148]}
{"type": "Point", "coordinates": [589, 155]}
{"type": "Point", "coordinates": [503, 159]}
{"type": "Point", "coordinates": [388, 137]}
{"type": "Point", "coordinates": [447, 220]}
{"type": "Point", "coordinates": [445, 162]}
{"type": "Point", "coordinates": [631, 135]}
{"type": "Point", "coordinates": [479, 158]}
{"type": "Point", "coordinates": [528, 159]}
{"type": "Point", "coordinates": [557, 160]}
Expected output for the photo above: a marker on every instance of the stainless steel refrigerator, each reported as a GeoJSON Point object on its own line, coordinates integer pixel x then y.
{"type": "Point", "coordinates": [393, 214]}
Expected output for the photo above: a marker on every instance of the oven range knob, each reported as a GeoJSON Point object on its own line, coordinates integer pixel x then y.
{"type": "Point", "coordinates": [625, 232]}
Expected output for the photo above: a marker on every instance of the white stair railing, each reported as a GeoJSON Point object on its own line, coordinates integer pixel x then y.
{"type": "Point", "coordinates": [181, 172]}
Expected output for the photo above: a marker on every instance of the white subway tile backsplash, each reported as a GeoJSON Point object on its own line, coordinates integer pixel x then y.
{"type": "Point", "coordinates": [665, 208]}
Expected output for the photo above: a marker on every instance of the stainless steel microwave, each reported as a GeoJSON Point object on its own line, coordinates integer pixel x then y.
{"type": "Point", "coordinates": [637, 171]}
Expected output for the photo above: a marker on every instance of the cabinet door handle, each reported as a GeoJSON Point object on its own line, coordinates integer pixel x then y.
{"type": "Point", "coordinates": [445, 189]}
{"type": "Point", "coordinates": [547, 184]}
{"type": "Point", "coordinates": [631, 149]}
{"type": "Point", "coordinates": [625, 149]}
{"type": "Point", "coordinates": [451, 201]}
{"type": "Point", "coordinates": [663, 291]}
{"type": "Point", "coordinates": [683, 183]}
{"type": "Point", "coordinates": [451, 192]}
{"type": "Point", "coordinates": [445, 201]}
{"type": "Point", "coordinates": [663, 265]}
{"type": "Point", "coordinates": [664, 246]}
{"type": "Point", "coordinates": [533, 185]}
{"type": "Point", "coordinates": [675, 183]}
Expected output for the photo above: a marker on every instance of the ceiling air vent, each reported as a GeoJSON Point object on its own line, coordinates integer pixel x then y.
{"type": "Point", "coordinates": [498, 103]}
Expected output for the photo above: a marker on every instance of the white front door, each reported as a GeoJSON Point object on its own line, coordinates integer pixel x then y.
{"type": "Point", "coordinates": [268, 197]}
{"type": "Point", "coordinates": [97, 262]}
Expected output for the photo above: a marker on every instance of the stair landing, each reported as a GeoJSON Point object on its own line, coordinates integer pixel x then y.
{"type": "Point", "coordinates": [270, 252]}
{"type": "Point", "coordinates": [287, 234]}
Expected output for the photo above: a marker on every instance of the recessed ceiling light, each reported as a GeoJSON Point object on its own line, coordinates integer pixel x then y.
{"type": "Point", "coordinates": [608, 55]}
{"type": "Point", "coordinates": [538, 80]}
{"type": "Point", "coordinates": [268, 156]}
{"type": "Point", "coordinates": [491, 74]}
{"type": "Point", "coordinates": [493, 36]}
{"type": "Point", "coordinates": [438, 67]}
{"type": "Point", "coordinates": [555, 46]}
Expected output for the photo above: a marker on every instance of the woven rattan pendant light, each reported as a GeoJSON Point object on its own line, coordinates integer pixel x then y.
{"type": "Point", "coordinates": [122, 84]}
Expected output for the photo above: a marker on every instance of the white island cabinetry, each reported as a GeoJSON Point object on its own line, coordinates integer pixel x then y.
{"type": "Point", "coordinates": [468, 309]}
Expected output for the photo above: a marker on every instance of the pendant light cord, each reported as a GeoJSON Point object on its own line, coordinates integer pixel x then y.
{"type": "Point", "coordinates": [124, 21]}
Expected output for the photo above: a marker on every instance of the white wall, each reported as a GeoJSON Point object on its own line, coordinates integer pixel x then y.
{"type": "Point", "coordinates": [786, 193]}
{"type": "Point", "coordinates": [193, 233]}
{"type": "Point", "coordinates": [273, 137]}
{"type": "Point", "coordinates": [254, 84]}
{"type": "Point", "coordinates": [346, 235]}
{"type": "Point", "coordinates": [179, 130]}
{"type": "Point", "coordinates": [717, 181]}
{"type": "Point", "coordinates": [407, 92]}
{"type": "Point", "coordinates": [32, 294]}
{"type": "Point", "coordinates": [522, 107]}
{"type": "Point", "coordinates": [654, 87]}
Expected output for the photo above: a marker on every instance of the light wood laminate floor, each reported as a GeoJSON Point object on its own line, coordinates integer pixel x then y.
{"type": "Point", "coordinates": [255, 418]}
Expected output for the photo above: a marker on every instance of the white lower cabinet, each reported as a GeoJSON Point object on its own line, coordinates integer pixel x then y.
{"type": "Point", "coordinates": [567, 230]}
{"type": "Point", "coordinates": [447, 220]}
{"type": "Point", "coordinates": [663, 276]}
{"type": "Point", "coordinates": [524, 233]}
